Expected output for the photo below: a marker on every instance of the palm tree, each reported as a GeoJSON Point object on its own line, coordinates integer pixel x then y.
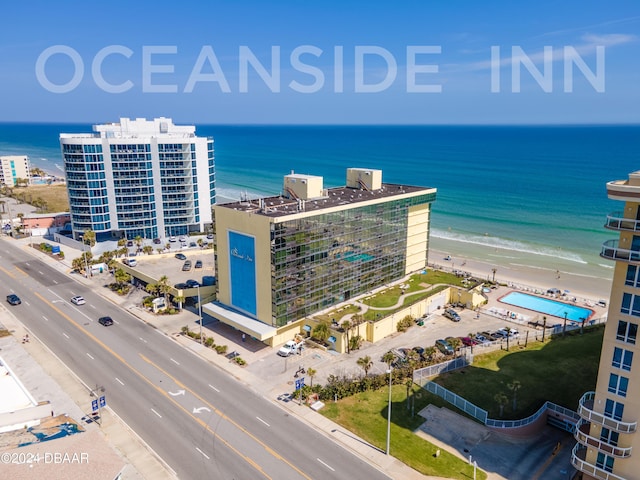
{"type": "Point", "coordinates": [388, 358]}
{"type": "Point", "coordinates": [501, 399]}
{"type": "Point", "coordinates": [147, 249]}
{"type": "Point", "coordinates": [346, 325]}
{"type": "Point", "coordinates": [455, 343]}
{"type": "Point", "coordinates": [89, 237]}
{"type": "Point", "coordinates": [321, 332]}
{"type": "Point", "coordinates": [429, 352]}
{"type": "Point", "coordinates": [200, 242]}
{"type": "Point", "coordinates": [164, 288]}
{"type": "Point", "coordinates": [180, 300]}
{"type": "Point", "coordinates": [122, 242]}
{"type": "Point", "coordinates": [514, 387]}
{"type": "Point", "coordinates": [138, 241]}
{"type": "Point", "coordinates": [152, 288]}
{"type": "Point", "coordinates": [312, 373]}
{"type": "Point", "coordinates": [121, 276]}
{"type": "Point", "coordinates": [355, 342]}
{"type": "Point", "coordinates": [365, 363]}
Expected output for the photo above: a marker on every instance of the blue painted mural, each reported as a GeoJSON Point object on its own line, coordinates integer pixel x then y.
{"type": "Point", "coordinates": [242, 271]}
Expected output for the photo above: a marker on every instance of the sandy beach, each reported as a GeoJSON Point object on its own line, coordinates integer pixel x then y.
{"type": "Point", "coordinates": [578, 284]}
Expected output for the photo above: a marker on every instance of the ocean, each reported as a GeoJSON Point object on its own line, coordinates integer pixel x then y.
{"type": "Point", "coordinates": [530, 195]}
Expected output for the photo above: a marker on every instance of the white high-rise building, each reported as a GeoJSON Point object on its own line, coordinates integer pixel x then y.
{"type": "Point", "coordinates": [147, 178]}
{"type": "Point", "coordinates": [13, 167]}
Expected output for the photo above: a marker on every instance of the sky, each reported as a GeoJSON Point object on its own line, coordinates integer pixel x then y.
{"type": "Point", "coordinates": [330, 62]}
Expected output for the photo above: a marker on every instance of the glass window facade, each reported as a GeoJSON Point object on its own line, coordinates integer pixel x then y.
{"type": "Point", "coordinates": [328, 258]}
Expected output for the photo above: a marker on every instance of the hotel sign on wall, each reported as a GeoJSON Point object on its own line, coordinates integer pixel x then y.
{"type": "Point", "coordinates": [242, 271]}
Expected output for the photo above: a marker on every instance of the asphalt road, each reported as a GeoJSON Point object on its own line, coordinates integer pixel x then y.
{"type": "Point", "coordinates": [203, 423]}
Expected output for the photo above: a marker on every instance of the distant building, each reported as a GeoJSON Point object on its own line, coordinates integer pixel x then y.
{"type": "Point", "coordinates": [147, 178]}
{"type": "Point", "coordinates": [281, 258]}
{"type": "Point", "coordinates": [608, 440]}
{"type": "Point", "coordinates": [13, 167]}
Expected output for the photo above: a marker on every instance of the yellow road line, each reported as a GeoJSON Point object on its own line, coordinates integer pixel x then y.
{"type": "Point", "coordinates": [139, 374]}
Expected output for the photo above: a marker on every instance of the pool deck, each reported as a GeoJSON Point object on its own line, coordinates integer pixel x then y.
{"type": "Point", "coordinates": [573, 306]}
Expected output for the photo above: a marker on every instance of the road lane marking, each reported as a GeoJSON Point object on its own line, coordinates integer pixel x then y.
{"type": "Point", "coordinates": [263, 421]}
{"type": "Point", "coordinates": [201, 409]}
{"type": "Point", "coordinates": [179, 392]}
{"type": "Point", "coordinates": [174, 361]}
{"type": "Point", "coordinates": [328, 466]}
{"type": "Point", "coordinates": [214, 388]}
{"type": "Point", "coordinates": [142, 339]}
{"type": "Point", "coordinates": [203, 454]}
{"type": "Point", "coordinates": [90, 357]}
{"type": "Point", "coordinates": [120, 381]}
{"type": "Point", "coordinates": [65, 335]}
{"type": "Point", "coordinates": [160, 416]}
{"type": "Point", "coordinates": [45, 318]}
{"type": "Point", "coordinates": [199, 421]}
{"type": "Point", "coordinates": [224, 417]}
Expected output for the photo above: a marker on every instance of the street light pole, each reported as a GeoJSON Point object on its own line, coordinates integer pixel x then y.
{"type": "Point", "coordinates": [564, 328]}
{"type": "Point", "coordinates": [389, 413]}
{"type": "Point", "coordinates": [200, 313]}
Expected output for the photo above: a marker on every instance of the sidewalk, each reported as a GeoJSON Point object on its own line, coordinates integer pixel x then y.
{"type": "Point", "coordinates": [138, 454]}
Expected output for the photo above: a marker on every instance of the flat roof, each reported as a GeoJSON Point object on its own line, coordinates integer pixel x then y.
{"type": "Point", "coordinates": [277, 206]}
{"type": "Point", "coordinates": [14, 396]}
{"type": "Point", "coordinates": [242, 322]}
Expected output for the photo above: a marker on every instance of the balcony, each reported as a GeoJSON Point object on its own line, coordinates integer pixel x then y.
{"type": "Point", "coordinates": [585, 410]}
{"type": "Point", "coordinates": [578, 455]}
{"type": "Point", "coordinates": [616, 221]}
{"type": "Point", "coordinates": [582, 435]}
{"type": "Point", "coordinates": [611, 251]}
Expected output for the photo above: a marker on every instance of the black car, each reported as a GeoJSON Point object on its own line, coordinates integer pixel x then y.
{"type": "Point", "coordinates": [181, 286]}
{"type": "Point", "coordinates": [157, 241]}
{"type": "Point", "coordinates": [198, 264]}
{"type": "Point", "coordinates": [181, 256]}
{"type": "Point", "coordinates": [130, 243]}
{"type": "Point", "coordinates": [192, 283]}
{"type": "Point", "coordinates": [106, 321]}
{"type": "Point", "coordinates": [14, 299]}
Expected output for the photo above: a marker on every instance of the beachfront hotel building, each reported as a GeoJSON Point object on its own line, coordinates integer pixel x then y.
{"type": "Point", "coordinates": [147, 178]}
{"type": "Point", "coordinates": [608, 441]}
{"type": "Point", "coordinates": [282, 258]}
{"type": "Point", "coordinates": [13, 167]}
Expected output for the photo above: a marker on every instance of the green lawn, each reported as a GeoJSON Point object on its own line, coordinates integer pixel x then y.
{"type": "Point", "coordinates": [366, 415]}
{"type": "Point", "coordinates": [560, 370]}
{"type": "Point", "coordinates": [571, 363]}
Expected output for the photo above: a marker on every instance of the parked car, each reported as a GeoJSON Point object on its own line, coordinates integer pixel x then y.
{"type": "Point", "coordinates": [290, 348]}
{"type": "Point", "coordinates": [181, 286]}
{"type": "Point", "coordinates": [209, 236]}
{"type": "Point", "coordinates": [186, 266]}
{"type": "Point", "coordinates": [451, 314]}
{"type": "Point", "coordinates": [172, 239]}
{"type": "Point", "coordinates": [468, 341]}
{"type": "Point", "coordinates": [182, 238]}
{"type": "Point", "coordinates": [480, 338]}
{"type": "Point", "coordinates": [157, 241]}
{"type": "Point", "coordinates": [488, 335]}
{"type": "Point", "coordinates": [181, 256]}
{"type": "Point", "coordinates": [78, 300]}
{"type": "Point", "coordinates": [508, 332]}
{"type": "Point", "coordinates": [192, 244]}
{"type": "Point", "coordinates": [192, 283]}
{"type": "Point", "coordinates": [106, 321]}
{"type": "Point", "coordinates": [129, 243]}
{"type": "Point", "coordinates": [132, 262]}
{"type": "Point", "coordinates": [444, 346]}
{"type": "Point", "coordinates": [198, 264]}
{"type": "Point", "coordinates": [500, 334]}
{"type": "Point", "coordinates": [14, 299]}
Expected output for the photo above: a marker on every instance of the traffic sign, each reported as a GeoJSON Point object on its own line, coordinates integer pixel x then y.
{"type": "Point", "coordinates": [103, 401]}
{"type": "Point", "coordinates": [94, 405]}
{"type": "Point", "coordinates": [299, 383]}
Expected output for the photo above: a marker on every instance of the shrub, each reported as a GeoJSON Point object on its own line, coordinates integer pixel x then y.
{"type": "Point", "coordinates": [185, 330]}
{"type": "Point", "coordinates": [221, 349]}
{"type": "Point", "coordinates": [239, 361]}
{"type": "Point", "coordinates": [405, 323]}
{"type": "Point", "coordinates": [209, 342]}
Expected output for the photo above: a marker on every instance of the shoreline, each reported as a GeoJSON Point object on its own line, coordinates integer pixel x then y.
{"type": "Point", "coordinates": [576, 284]}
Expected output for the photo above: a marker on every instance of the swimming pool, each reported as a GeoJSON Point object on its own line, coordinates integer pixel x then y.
{"type": "Point", "coordinates": [547, 306]}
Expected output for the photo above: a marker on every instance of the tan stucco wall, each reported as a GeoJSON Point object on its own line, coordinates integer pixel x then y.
{"type": "Point", "coordinates": [417, 237]}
